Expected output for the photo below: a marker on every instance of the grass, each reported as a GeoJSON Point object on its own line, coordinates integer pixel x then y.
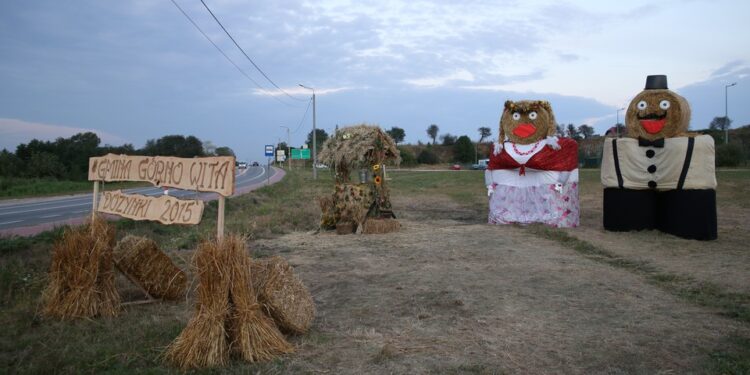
{"type": "Point", "coordinates": [36, 187]}
{"type": "Point", "coordinates": [134, 341]}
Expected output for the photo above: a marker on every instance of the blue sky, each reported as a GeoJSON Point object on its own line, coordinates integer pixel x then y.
{"type": "Point", "coordinates": [134, 70]}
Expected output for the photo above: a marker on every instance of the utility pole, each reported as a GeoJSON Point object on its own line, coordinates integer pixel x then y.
{"type": "Point", "coordinates": [726, 112]}
{"type": "Point", "coordinates": [617, 124]}
{"type": "Point", "coordinates": [314, 135]}
{"type": "Point", "coordinates": [288, 146]}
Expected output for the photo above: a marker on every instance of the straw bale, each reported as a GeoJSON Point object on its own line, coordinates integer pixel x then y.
{"type": "Point", "coordinates": [204, 341]}
{"type": "Point", "coordinates": [141, 259]}
{"type": "Point", "coordinates": [285, 297]}
{"type": "Point", "coordinates": [356, 147]}
{"type": "Point", "coordinates": [379, 226]}
{"type": "Point", "coordinates": [81, 278]}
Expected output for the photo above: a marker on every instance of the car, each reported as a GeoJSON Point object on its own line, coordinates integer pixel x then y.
{"type": "Point", "coordinates": [255, 164]}
{"type": "Point", "coordinates": [456, 167]}
{"type": "Point", "coordinates": [242, 165]}
{"type": "Point", "coordinates": [481, 165]}
{"type": "Point", "coordinates": [321, 166]}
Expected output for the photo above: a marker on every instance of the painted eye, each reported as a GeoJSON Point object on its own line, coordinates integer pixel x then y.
{"type": "Point", "coordinates": [642, 105]}
{"type": "Point", "coordinates": [664, 104]}
{"type": "Point", "coordinates": [516, 116]}
{"type": "Point", "coordinates": [532, 115]}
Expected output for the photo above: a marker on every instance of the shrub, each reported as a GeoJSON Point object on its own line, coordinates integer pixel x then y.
{"type": "Point", "coordinates": [407, 157]}
{"type": "Point", "coordinates": [427, 156]}
{"type": "Point", "coordinates": [729, 155]}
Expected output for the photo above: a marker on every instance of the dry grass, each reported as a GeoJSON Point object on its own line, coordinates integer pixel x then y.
{"type": "Point", "coordinates": [380, 226]}
{"type": "Point", "coordinates": [81, 278]}
{"type": "Point", "coordinates": [283, 295]}
{"type": "Point", "coordinates": [142, 260]}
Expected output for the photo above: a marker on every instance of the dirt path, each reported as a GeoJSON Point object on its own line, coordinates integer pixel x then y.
{"type": "Point", "coordinates": [444, 296]}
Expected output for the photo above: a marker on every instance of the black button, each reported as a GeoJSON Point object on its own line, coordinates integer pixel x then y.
{"type": "Point", "coordinates": [652, 184]}
{"type": "Point", "coordinates": [650, 153]}
{"type": "Point", "coordinates": [651, 168]}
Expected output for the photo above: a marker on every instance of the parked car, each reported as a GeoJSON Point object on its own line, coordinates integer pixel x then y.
{"type": "Point", "coordinates": [255, 164]}
{"type": "Point", "coordinates": [456, 167]}
{"type": "Point", "coordinates": [481, 165]}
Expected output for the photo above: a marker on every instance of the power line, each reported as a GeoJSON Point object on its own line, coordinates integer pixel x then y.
{"type": "Point", "coordinates": [226, 56]}
{"type": "Point", "coordinates": [246, 56]}
{"type": "Point", "coordinates": [303, 116]}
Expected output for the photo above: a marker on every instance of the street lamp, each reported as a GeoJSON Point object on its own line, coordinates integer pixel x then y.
{"type": "Point", "coordinates": [314, 135]}
{"type": "Point", "coordinates": [726, 111]}
{"type": "Point", "coordinates": [617, 124]}
{"type": "Point", "coordinates": [288, 146]}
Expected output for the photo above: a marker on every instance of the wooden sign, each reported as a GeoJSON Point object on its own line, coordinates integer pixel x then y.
{"type": "Point", "coordinates": [211, 174]}
{"type": "Point", "coordinates": [164, 209]}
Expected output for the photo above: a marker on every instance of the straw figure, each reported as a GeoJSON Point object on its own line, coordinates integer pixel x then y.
{"type": "Point", "coordinates": [228, 319]}
{"type": "Point", "coordinates": [532, 175]}
{"type": "Point", "coordinates": [362, 149]}
{"type": "Point", "coordinates": [81, 277]}
{"type": "Point", "coordinates": [140, 259]}
{"type": "Point", "coordinates": [660, 177]}
{"type": "Point", "coordinates": [282, 294]}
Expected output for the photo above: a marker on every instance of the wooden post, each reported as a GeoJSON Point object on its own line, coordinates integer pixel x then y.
{"type": "Point", "coordinates": [220, 220]}
{"type": "Point", "coordinates": [95, 200]}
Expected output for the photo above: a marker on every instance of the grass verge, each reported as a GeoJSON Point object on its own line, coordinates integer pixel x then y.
{"type": "Point", "coordinates": [40, 187]}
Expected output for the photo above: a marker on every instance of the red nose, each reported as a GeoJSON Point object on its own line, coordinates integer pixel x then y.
{"type": "Point", "coordinates": [524, 130]}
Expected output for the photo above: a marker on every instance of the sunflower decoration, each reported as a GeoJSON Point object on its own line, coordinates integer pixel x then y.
{"type": "Point", "coordinates": [378, 180]}
{"type": "Point", "coordinates": [376, 167]}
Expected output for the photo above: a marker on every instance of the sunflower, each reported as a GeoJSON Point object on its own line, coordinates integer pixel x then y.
{"type": "Point", "coordinates": [376, 167]}
{"type": "Point", "coordinates": [378, 180]}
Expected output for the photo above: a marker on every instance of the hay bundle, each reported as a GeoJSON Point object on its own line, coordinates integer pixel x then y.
{"type": "Point", "coordinates": [357, 147]}
{"type": "Point", "coordinates": [283, 295]}
{"type": "Point", "coordinates": [203, 342]}
{"type": "Point", "coordinates": [141, 259]}
{"type": "Point", "coordinates": [379, 226]}
{"type": "Point", "coordinates": [81, 278]}
{"type": "Point", "coordinates": [254, 335]}
{"type": "Point", "coordinates": [228, 317]}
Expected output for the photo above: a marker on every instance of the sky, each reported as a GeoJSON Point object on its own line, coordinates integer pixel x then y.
{"type": "Point", "coordinates": [134, 70]}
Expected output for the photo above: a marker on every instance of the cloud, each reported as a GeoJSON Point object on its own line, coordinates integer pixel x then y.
{"type": "Point", "coordinates": [14, 132]}
{"type": "Point", "coordinates": [438, 81]}
{"type": "Point", "coordinates": [300, 91]}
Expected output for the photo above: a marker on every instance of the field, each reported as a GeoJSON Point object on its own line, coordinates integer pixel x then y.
{"type": "Point", "coordinates": [15, 187]}
{"type": "Point", "coordinates": [447, 294]}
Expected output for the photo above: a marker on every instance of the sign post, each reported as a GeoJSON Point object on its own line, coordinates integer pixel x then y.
{"type": "Point", "coordinates": [269, 155]}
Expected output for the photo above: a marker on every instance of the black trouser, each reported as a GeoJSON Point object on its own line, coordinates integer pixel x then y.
{"type": "Point", "coordinates": [684, 213]}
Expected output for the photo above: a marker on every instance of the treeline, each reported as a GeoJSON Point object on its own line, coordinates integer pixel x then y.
{"type": "Point", "coordinates": [68, 158]}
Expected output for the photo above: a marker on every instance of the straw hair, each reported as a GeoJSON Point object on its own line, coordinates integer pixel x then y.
{"type": "Point", "coordinates": [380, 226]}
{"type": "Point", "coordinates": [141, 259]}
{"type": "Point", "coordinates": [284, 296]}
{"type": "Point", "coordinates": [356, 147]}
{"type": "Point", "coordinates": [204, 341]}
{"type": "Point", "coordinates": [81, 278]}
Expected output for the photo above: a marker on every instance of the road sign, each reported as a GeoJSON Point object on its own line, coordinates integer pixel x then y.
{"type": "Point", "coordinates": [269, 151]}
{"type": "Point", "coordinates": [298, 153]}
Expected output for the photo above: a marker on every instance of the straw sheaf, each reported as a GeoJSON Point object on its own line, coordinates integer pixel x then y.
{"type": "Point", "coordinates": [141, 259]}
{"type": "Point", "coordinates": [544, 123]}
{"type": "Point", "coordinates": [677, 116]}
{"type": "Point", "coordinates": [359, 146]}
{"type": "Point", "coordinates": [283, 295]}
{"type": "Point", "coordinates": [380, 226]}
{"type": "Point", "coordinates": [81, 278]}
{"type": "Point", "coordinates": [204, 341]}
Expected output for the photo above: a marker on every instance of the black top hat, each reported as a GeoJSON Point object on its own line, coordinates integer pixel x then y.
{"type": "Point", "coordinates": [656, 82]}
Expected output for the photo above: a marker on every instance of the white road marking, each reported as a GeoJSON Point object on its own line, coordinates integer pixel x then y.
{"type": "Point", "coordinates": [49, 216]}
{"type": "Point", "coordinates": [44, 209]}
{"type": "Point", "coordinates": [11, 222]}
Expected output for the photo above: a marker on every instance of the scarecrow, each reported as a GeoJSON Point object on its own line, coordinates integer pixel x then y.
{"type": "Point", "coordinates": [660, 177]}
{"type": "Point", "coordinates": [363, 150]}
{"type": "Point", "coordinates": [532, 175]}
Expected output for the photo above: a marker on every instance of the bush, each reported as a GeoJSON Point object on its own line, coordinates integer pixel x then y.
{"type": "Point", "coordinates": [427, 157]}
{"type": "Point", "coordinates": [463, 150]}
{"type": "Point", "coordinates": [729, 155]}
{"type": "Point", "coordinates": [407, 157]}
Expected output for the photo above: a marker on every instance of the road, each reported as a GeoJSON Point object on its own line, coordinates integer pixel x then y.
{"type": "Point", "coordinates": [42, 213]}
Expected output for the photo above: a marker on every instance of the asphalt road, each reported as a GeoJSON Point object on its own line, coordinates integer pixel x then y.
{"type": "Point", "coordinates": [30, 212]}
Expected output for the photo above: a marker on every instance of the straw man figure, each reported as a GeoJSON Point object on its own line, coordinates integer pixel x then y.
{"type": "Point", "coordinates": [661, 177]}
{"type": "Point", "coordinates": [532, 175]}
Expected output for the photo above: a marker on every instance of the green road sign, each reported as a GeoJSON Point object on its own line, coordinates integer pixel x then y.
{"type": "Point", "coordinates": [298, 153]}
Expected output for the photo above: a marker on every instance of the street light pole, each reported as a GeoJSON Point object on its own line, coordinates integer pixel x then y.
{"type": "Point", "coordinates": [314, 136]}
{"type": "Point", "coordinates": [726, 111]}
{"type": "Point", "coordinates": [617, 124]}
{"type": "Point", "coordinates": [288, 146]}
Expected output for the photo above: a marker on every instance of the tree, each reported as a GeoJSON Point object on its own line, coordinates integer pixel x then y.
{"type": "Point", "coordinates": [573, 132]}
{"type": "Point", "coordinates": [209, 148]}
{"type": "Point", "coordinates": [320, 137]}
{"type": "Point", "coordinates": [432, 131]}
{"type": "Point", "coordinates": [174, 145]}
{"type": "Point", "coordinates": [720, 123]}
{"type": "Point", "coordinates": [426, 156]}
{"type": "Point", "coordinates": [560, 130]}
{"type": "Point", "coordinates": [224, 151]}
{"type": "Point", "coordinates": [10, 164]}
{"type": "Point", "coordinates": [448, 139]}
{"type": "Point", "coordinates": [484, 132]}
{"type": "Point", "coordinates": [407, 157]}
{"type": "Point", "coordinates": [397, 134]}
{"type": "Point", "coordinates": [463, 150]}
{"type": "Point", "coordinates": [45, 164]}
{"type": "Point", "coordinates": [586, 131]}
